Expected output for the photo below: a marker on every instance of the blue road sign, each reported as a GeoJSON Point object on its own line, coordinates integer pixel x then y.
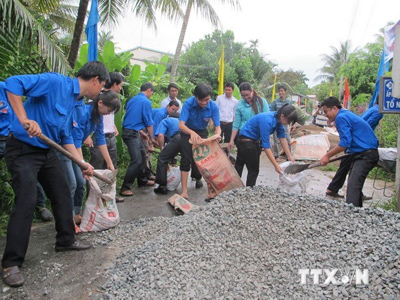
{"type": "Point", "coordinates": [387, 103]}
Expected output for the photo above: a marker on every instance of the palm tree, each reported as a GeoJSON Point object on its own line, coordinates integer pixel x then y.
{"type": "Point", "coordinates": [20, 27]}
{"type": "Point", "coordinates": [104, 37]}
{"type": "Point", "coordinates": [111, 10]}
{"type": "Point", "coordinates": [333, 62]}
{"type": "Point", "coordinates": [205, 8]}
{"type": "Point", "coordinates": [254, 46]}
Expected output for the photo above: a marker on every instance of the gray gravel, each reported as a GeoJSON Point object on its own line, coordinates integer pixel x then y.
{"type": "Point", "coordinates": [250, 244]}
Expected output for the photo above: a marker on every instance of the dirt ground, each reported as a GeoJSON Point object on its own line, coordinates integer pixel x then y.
{"type": "Point", "coordinates": [79, 275]}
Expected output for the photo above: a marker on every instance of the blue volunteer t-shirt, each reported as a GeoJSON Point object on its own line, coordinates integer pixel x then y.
{"type": "Point", "coordinates": [51, 99]}
{"type": "Point", "coordinates": [372, 116]}
{"type": "Point", "coordinates": [168, 127]}
{"type": "Point", "coordinates": [196, 117]}
{"type": "Point", "coordinates": [261, 126]}
{"type": "Point", "coordinates": [138, 113]}
{"type": "Point", "coordinates": [6, 112]}
{"type": "Point", "coordinates": [355, 134]}
{"type": "Point", "coordinates": [86, 127]}
{"type": "Point", "coordinates": [158, 115]}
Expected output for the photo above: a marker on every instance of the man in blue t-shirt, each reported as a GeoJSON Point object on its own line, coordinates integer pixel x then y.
{"type": "Point", "coordinates": [358, 140]}
{"type": "Point", "coordinates": [372, 117]}
{"type": "Point", "coordinates": [137, 118]}
{"type": "Point", "coordinates": [51, 98]}
{"type": "Point", "coordinates": [168, 128]}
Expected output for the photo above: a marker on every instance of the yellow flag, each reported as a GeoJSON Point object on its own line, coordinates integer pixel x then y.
{"type": "Point", "coordinates": [331, 93]}
{"type": "Point", "coordinates": [221, 64]}
{"type": "Point", "coordinates": [273, 90]}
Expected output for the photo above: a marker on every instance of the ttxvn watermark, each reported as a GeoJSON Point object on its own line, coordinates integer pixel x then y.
{"type": "Point", "coordinates": [334, 276]}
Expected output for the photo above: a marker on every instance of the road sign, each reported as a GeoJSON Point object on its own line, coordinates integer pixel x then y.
{"type": "Point", "coordinates": [387, 103]}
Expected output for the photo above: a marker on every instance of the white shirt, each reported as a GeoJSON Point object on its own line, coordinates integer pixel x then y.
{"type": "Point", "coordinates": [167, 100]}
{"type": "Point", "coordinates": [227, 108]}
{"type": "Point", "coordinates": [108, 121]}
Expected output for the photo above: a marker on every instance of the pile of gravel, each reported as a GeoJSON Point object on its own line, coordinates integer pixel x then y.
{"type": "Point", "coordinates": [250, 244]}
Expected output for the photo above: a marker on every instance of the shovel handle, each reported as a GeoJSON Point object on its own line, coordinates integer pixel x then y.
{"type": "Point", "coordinates": [81, 164]}
{"type": "Point", "coordinates": [317, 164]}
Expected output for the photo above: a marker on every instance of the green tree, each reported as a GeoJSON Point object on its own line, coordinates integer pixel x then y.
{"type": "Point", "coordinates": [31, 26]}
{"type": "Point", "coordinates": [204, 7]}
{"type": "Point", "coordinates": [199, 63]}
{"type": "Point", "coordinates": [333, 62]}
{"type": "Point", "coordinates": [294, 80]}
{"type": "Point", "coordinates": [111, 10]}
{"type": "Point", "coordinates": [361, 68]}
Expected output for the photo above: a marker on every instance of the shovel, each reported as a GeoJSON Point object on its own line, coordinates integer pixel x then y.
{"type": "Point", "coordinates": [297, 168]}
{"type": "Point", "coordinates": [70, 156]}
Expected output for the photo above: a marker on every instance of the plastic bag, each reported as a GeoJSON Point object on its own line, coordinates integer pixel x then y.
{"type": "Point", "coordinates": [173, 178]}
{"type": "Point", "coordinates": [100, 210]}
{"type": "Point", "coordinates": [292, 183]}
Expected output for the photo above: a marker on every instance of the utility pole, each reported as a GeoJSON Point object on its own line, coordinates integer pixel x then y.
{"type": "Point", "coordinates": [396, 94]}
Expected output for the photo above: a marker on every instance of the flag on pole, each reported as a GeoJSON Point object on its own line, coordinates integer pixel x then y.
{"type": "Point", "coordinates": [91, 30]}
{"type": "Point", "coordinates": [273, 90]}
{"type": "Point", "coordinates": [346, 93]}
{"type": "Point", "coordinates": [387, 55]}
{"type": "Point", "coordinates": [221, 64]}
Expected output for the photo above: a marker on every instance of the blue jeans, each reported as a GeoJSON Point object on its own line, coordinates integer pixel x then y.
{"type": "Point", "coordinates": [66, 164]}
{"type": "Point", "coordinates": [80, 189]}
{"type": "Point", "coordinates": [138, 157]}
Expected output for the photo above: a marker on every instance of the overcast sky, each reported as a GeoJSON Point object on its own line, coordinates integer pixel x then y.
{"type": "Point", "coordinates": [292, 33]}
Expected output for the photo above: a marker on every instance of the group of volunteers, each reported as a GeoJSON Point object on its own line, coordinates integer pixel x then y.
{"type": "Point", "coordinates": [80, 111]}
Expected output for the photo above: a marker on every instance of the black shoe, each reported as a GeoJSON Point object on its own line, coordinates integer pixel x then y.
{"type": "Point", "coordinates": [199, 184]}
{"type": "Point", "coordinates": [161, 190]}
{"type": "Point", "coordinates": [45, 214]}
{"type": "Point", "coordinates": [365, 198]}
{"type": "Point", "coordinates": [76, 246]}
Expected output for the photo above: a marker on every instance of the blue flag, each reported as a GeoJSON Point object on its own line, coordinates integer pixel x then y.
{"type": "Point", "coordinates": [91, 30]}
{"type": "Point", "coordinates": [383, 68]}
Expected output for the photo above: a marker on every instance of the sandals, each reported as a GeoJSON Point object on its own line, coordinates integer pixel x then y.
{"type": "Point", "coordinates": [12, 276]}
{"type": "Point", "coordinates": [126, 193]}
{"type": "Point", "coordinates": [77, 229]}
{"type": "Point", "coordinates": [119, 199]}
{"type": "Point", "coordinates": [208, 199]}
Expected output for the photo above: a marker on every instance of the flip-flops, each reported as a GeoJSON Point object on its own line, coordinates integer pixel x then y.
{"type": "Point", "coordinates": [119, 199]}
{"type": "Point", "coordinates": [126, 193]}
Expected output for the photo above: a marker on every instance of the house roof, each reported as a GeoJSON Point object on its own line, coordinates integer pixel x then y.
{"type": "Point", "coordinates": [148, 49]}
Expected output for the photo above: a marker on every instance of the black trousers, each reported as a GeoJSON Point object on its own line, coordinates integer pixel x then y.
{"type": "Point", "coordinates": [226, 131]}
{"type": "Point", "coordinates": [137, 154]}
{"type": "Point", "coordinates": [97, 160]}
{"type": "Point", "coordinates": [362, 164]}
{"type": "Point", "coordinates": [248, 154]}
{"type": "Point", "coordinates": [340, 176]}
{"type": "Point", "coordinates": [187, 154]}
{"type": "Point", "coordinates": [167, 154]}
{"type": "Point", "coordinates": [29, 164]}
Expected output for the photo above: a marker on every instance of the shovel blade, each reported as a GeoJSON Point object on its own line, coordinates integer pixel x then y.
{"type": "Point", "coordinates": [295, 168]}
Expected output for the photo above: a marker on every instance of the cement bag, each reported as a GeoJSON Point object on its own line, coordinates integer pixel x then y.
{"type": "Point", "coordinates": [215, 167]}
{"type": "Point", "coordinates": [173, 178]}
{"type": "Point", "coordinates": [292, 183]}
{"type": "Point", "coordinates": [100, 210]}
{"type": "Point", "coordinates": [180, 204]}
